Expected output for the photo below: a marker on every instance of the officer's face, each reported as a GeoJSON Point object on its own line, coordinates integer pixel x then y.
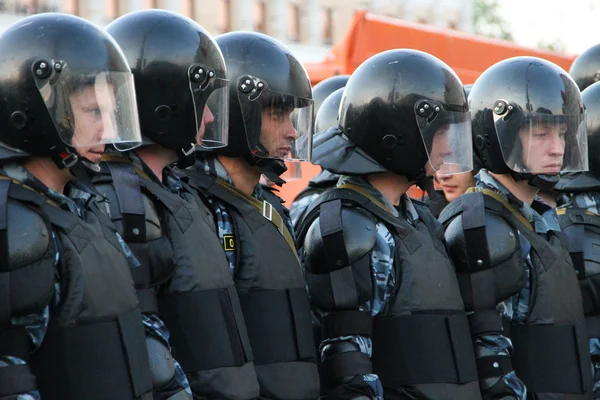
{"type": "Point", "coordinates": [207, 119]}
{"type": "Point", "coordinates": [456, 184]}
{"type": "Point", "coordinates": [543, 147]}
{"type": "Point", "coordinates": [93, 110]}
{"type": "Point", "coordinates": [278, 133]}
{"type": "Point", "coordinates": [440, 149]}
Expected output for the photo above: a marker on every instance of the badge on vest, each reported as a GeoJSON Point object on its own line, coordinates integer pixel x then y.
{"type": "Point", "coordinates": [228, 243]}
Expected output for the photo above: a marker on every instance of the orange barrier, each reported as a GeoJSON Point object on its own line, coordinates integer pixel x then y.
{"type": "Point", "coordinates": [369, 34]}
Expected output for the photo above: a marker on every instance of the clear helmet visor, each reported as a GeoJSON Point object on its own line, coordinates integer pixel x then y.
{"type": "Point", "coordinates": [211, 104]}
{"type": "Point", "coordinates": [293, 172]}
{"type": "Point", "coordinates": [277, 125]}
{"type": "Point", "coordinates": [90, 108]}
{"type": "Point", "coordinates": [542, 143]}
{"type": "Point", "coordinates": [447, 137]}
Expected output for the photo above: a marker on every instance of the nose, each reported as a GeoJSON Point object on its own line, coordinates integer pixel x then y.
{"type": "Point", "coordinates": [208, 117]}
{"type": "Point", "coordinates": [103, 131]}
{"type": "Point", "coordinates": [556, 145]}
{"type": "Point", "coordinates": [289, 132]}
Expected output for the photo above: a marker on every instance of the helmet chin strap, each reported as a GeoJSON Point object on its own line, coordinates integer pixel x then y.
{"type": "Point", "coordinates": [541, 181]}
{"type": "Point", "coordinates": [270, 167]}
{"type": "Point", "coordinates": [94, 167]}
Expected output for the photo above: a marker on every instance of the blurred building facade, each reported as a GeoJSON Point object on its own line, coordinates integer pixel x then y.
{"type": "Point", "coordinates": [309, 27]}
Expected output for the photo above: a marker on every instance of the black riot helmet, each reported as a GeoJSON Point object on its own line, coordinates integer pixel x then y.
{"type": "Point", "coordinates": [328, 112]}
{"type": "Point", "coordinates": [323, 89]}
{"type": "Point", "coordinates": [180, 80]}
{"type": "Point", "coordinates": [591, 100]}
{"type": "Point", "coordinates": [528, 121]}
{"type": "Point", "coordinates": [405, 108]}
{"type": "Point", "coordinates": [64, 84]}
{"type": "Point", "coordinates": [585, 70]}
{"type": "Point", "coordinates": [270, 100]}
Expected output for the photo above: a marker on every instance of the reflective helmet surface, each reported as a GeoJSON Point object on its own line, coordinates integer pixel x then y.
{"type": "Point", "coordinates": [406, 108]}
{"type": "Point", "coordinates": [180, 80]}
{"type": "Point", "coordinates": [271, 107]}
{"type": "Point", "coordinates": [585, 70]}
{"type": "Point", "coordinates": [323, 89]}
{"type": "Point", "coordinates": [64, 84]}
{"type": "Point", "coordinates": [591, 100]}
{"type": "Point", "coordinates": [328, 113]}
{"type": "Point", "coordinates": [528, 118]}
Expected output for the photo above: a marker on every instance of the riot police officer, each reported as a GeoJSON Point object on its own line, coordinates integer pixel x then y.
{"type": "Point", "coordinates": [515, 275]}
{"type": "Point", "coordinates": [270, 121]}
{"type": "Point", "coordinates": [326, 118]}
{"type": "Point", "coordinates": [181, 87]}
{"type": "Point", "coordinates": [379, 278]}
{"type": "Point", "coordinates": [579, 219]}
{"type": "Point", "coordinates": [70, 324]}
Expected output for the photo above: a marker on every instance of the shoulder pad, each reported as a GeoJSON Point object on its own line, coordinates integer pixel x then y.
{"type": "Point", "coordinates": [502, 240]}
{"type": "Point", "coordinates": [153, 220]}
{"type": "Point", "coordinates": [28, 235]}
{"type": "Point", "coordinates": [360, 235]}
{"type": "Point", "coordinates": [324, 180]}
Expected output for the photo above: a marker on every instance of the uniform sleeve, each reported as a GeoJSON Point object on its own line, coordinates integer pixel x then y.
{"type": "Point", "coordinates": [383, 278]}
{"type": "Point", "coordinates": [514, 309]}
{"type": "Point", "coordinates": [154, 327]}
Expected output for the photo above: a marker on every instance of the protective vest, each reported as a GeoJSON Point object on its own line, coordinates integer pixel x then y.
{"type": "Point", "coordinates": [269, 281]}
{"type": "Point", "coordinates": [551, 353]}
{"type": "Point", "coordinates": [582, 229]}
{"type": "Point", "coordinates": [421, 341]}
{"type": "Point", "coordinates": [197, 299]}
{"type": "Point", "coordinates": [94, 347]}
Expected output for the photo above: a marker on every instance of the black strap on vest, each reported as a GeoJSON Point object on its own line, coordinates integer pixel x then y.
{"type": "Point", "coordinates": [430, 349]}
{"type": "Point", "coordinates": [493, 366]}
{"type": "Point", "coordinates": [5, 303]}
{"type": "Point", "coordinates": [14, 341]}
{"type": "Point", "coordinates": [16, 379]}
{"type": "Point", "coordinates": [473, 223]}
{"type": "Point", "coordinates": [572, 223]}
{"type": "Point", "coordinates": [196, 347]}
{"type": "Point", "coordinates": [346, 323]}
{"type": "Point", "coordinates": [343, 285]}
{"type": "Point", "coordinates": [593, 326]}
{"type": "Point", "coordinates": [131, 200]}
{"type": "Point", "coordinates": [547, 357]}
{"type": "Point", "coordinates": [106, 355]}
{"type": "Point", "coordinates": [147, 299]}
{"type": "Point", "coordinates": [272, 318]}
{"type": "Point", "coordinates": [344, 365]}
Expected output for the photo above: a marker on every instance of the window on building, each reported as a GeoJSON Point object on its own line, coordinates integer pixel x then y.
{"type": "Point", "coordinates": [224, 16]}
{"type": "Point", "coordinates": [260, 16]}
{"type": "Point", "coordinates": [452, 25]}
{"type": "Point", "coordinates": [422, 20]}
{"type": "Point", "coordinates": [327, 19]}
{"type": "Point", "coordinates": [294, 22]}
